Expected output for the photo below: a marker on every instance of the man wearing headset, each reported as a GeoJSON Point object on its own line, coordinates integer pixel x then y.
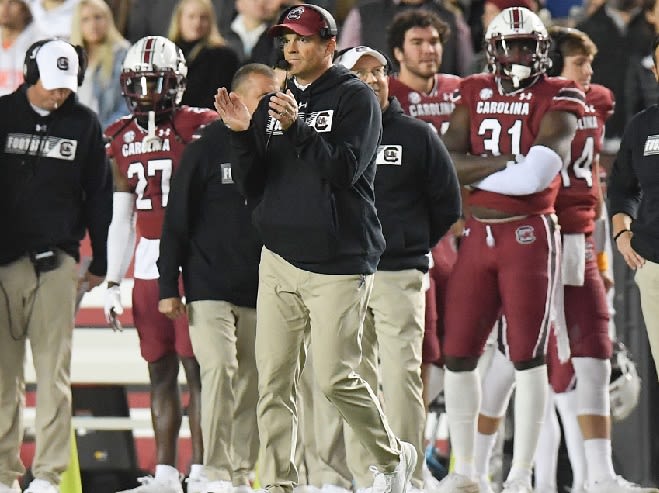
{"type": "Point", "coordinates": [57, 186]}
{"type": "Point", "coordinates": [306, 157]}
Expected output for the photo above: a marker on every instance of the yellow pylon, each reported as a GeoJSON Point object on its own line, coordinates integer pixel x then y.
{"type": "Point", "coordinates": [70, 481]}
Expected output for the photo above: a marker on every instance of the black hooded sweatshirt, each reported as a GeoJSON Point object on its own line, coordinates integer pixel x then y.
{"type": "Point", "coordinates": [56, 179]}
{"type": "Point", "coordinates": [207, 229]}
{"type": "Point", "coordinates": [314, 183]}
{"type": "Point", "coordinates": [416, 190]}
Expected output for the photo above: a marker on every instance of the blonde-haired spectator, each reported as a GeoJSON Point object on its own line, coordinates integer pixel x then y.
{"type": "Point", "coordinates": [93, 28]}
{"type": "Point", "coordinates": [17, 33]}
{"type": "Point", "coordinates": [211, 63]}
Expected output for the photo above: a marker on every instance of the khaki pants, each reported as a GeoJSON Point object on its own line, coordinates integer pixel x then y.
{"type": "Point", "coordinates": [290, 303]}
{"type": "Point", "coordinates": [222, 338]}
{"type": "Point", "coordinates": [325, 452]}
{"type": "Point", "coordinates": [40, 309]}
{"type": "Point", "coordinates": [647, 278]}
{"type": "Point", "coordinates": [393, 330]}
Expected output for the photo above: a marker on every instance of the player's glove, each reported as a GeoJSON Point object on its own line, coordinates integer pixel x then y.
{"type": "Point", "coordinates": [113, 306]}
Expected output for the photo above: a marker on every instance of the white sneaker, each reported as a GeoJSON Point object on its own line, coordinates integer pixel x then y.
{"type": "Point", "coordinates": [196, 485]}
{"type": "Point", "coordinates": [396, 482]}
{"type": "Point", "coordinates": [517, 486]}
{"type": "Point", "coordinates": [484, 485]}
{"type": "Point", "coordinates": [153, 485]}
{"type": "Point", "coordinates": [430, 482]}
{"type": "Point", "coordinates": [457, 483]}
{"type": "Point", "coordinates": [331, 488]}
{"type": "Point", "coordinates": [548, 489]}
{"type": "Point", "coordinates": [306, 488]}
{"type": "Point", "coordinates": [219, 487]}
{"type": "Point", "coordinates": [41, 486]}
{"type": "Point", "coordinates": [364, 490]}
{"type": "Point", "coordinates": [618, 484]}
{"type": "Point", "coordinates": [243, 488]}
{"type": "Point", "coordinates": [14, 488]}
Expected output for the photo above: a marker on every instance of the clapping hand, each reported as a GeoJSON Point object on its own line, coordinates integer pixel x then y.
{"type": "Point", "coordinates": [232, 110]}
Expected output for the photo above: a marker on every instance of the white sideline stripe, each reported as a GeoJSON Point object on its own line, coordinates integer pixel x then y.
{"type": "Point", "coordinates": [139, 421]}
{"type": "Point", "coordinates": [102, 356]}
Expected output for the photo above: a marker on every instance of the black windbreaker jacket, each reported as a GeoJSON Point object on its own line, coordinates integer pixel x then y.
{"type": "Point", "coordinates": [314, 183]}
{"type": "Point", "coordinates": [416, 190]}
{"type": "Point", "coordinates": [207, 229]}
{"type": "Point", "coordinates": [633, 186]}
{"type": "Point", "coordinates": [56, 180]}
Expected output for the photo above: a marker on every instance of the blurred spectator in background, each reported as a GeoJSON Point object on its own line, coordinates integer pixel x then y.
{"type": "Point", "coordinates": [53, 17]}
{"type": "Point", "coordinates": [608, 26]}
{"type": "Point", "coordinates": [366, 24]}
{"type": "Point", "coordinates": [153, 17]}
{"type": "Point", "coordinates": [641, 90]}
{"type": "Point", "coordinates": [211, 63]}
{"type": "Point", "coordinates": [249, 30]}
{"type": "Point", "coordinates": [93, 28]}
{"type": "Point", "coordinates": [17, 33]}
{"type": "Point", "coordinates": [120, 10]}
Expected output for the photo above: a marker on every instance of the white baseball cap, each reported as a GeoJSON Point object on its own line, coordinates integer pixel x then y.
{"type": "Point", "coordinates": [351, 56]}
{"type": "Point", "coordinates": [58, 65]}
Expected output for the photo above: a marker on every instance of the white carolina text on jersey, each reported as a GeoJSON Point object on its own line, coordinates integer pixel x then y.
{"type": "Point", "coordinates": [132, 148]}
{"type": "Point", "coordinates": [503, 107]}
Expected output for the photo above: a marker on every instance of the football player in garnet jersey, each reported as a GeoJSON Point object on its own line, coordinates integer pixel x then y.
{"type": "Point", "coordinates": [509, 136]}
{"type": "Point", "coordinates": [586, 310]}
{"type": "Point", "coordinates": [145, 149]}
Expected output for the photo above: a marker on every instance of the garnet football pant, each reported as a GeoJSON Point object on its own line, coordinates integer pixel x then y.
{"type": "Point", "coordinates": [40, 309]}
{"type": "Point", "coordinates": [292, 302]}
{"type": "Point", "coordinates": [222, 336]}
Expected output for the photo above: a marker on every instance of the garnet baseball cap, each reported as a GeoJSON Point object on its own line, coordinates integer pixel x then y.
{"type": "Point", "coordinates": [302, 20]}
{"type": "Point", "coordinates": [352, 55]}
{"type": "Point", "coordinates": [58, 65]}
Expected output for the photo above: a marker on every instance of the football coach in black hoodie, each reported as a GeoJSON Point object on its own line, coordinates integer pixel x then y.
{"type": "Point", "coordinates": [307, 157]}
{"type": "Point", "coordinates": [56, 185]}
{"type": "Point", "coordinates": [417, 196]}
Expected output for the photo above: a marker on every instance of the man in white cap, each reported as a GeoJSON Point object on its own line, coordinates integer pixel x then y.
{"type": "Point", "coordinates": [58, 185]}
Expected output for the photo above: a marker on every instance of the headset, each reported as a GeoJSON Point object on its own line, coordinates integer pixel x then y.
{"type": "Point", "coordinates": [555, 54]}
{"type": "Point", "coordinates": [329, 31]}
{"type": "Point", "coordinates": [31, 69]}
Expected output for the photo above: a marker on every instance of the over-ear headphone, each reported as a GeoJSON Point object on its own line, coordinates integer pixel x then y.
{"type": "Point", "coordinates": [558, 36]}
{"type": "Point", "coordinates": [326, 32]}
{"type": "Point", "coordinates": [31, 69]}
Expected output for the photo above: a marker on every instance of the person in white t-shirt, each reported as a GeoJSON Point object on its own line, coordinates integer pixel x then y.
{"type": "Point", "coordinates": [17, 33]}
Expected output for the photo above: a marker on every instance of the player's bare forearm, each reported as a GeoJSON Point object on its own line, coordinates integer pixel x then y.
{"type": "Point", "coordinates": [471, 169]}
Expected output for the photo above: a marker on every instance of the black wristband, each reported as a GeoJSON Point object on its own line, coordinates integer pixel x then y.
{"type": "Point", "coordinates": [617, 235]}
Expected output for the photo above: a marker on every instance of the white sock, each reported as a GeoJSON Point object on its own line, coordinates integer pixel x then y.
{"type": "Point", "coordinates": [546, 454]}
{"type": "Point", "coordinates": [566, 403]}
{"type": "Point", "coordinates": [530, 401]}
{"type": "Point", "coordinates": [463, 397]}
{"type": "Point", "coordinates": [598, 459]}
{"type": "Point", "coordinates": [196, 471]}
{"type": "Point", "coordinates": [166, 473]}
{"type": "Point", "coordinates": [484, 446]}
